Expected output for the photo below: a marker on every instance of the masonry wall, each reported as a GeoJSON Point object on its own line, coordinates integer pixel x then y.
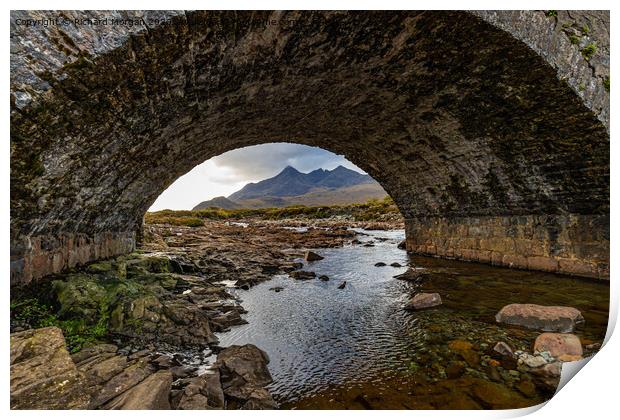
{"type": "Point", "coordinates": [568, 244]}
{"type": "Point", "coordinates": [36, 257]}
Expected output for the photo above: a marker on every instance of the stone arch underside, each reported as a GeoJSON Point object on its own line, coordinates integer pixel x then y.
{"type": "Point", "coordinates": [484, 143]}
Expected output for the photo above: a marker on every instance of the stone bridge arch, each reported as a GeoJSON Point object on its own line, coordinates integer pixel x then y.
{"type": "Point", "coordinates": [489, 129]}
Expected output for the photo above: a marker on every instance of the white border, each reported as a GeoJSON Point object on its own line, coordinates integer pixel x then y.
{"type": "Point", "coordinates": [592, 394]}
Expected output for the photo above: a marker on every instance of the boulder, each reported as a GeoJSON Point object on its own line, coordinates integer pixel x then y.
{"type": "Point", "coordinates": [423, 301]}
{"type": "Point", "coordinates": [43, 376]}
{"type": "Point", "coordinates": [380, 264]}
{"type": "Point", "coordinates": [324, 278]}
{"type": "Point", "coordinates": [203, 393]}
{"type": "Point", "coordinates": [545, 318]}
{"type": "Point", "coordinates": [396, 264]}
{"type": "Point", "coordinates": [558, 344]}
{"type": "Point", "coordinates": [342, 285]}
{"type": "Point", "coordinates": [302, 275]}
{"type": "Point", "coordinates": [244, 374]}
{"type": "Point", "coordinates": [150, 394]}
{"type": "Point", "coordinates": [402, 244]}
{"type": "Point", "coordinates": [312, 256]}
{"type": "Point", "coordinates": [245, 364]}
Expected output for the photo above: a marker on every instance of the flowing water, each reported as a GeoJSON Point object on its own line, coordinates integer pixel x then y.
{"type": "Point", "coordinates": [357, 347]}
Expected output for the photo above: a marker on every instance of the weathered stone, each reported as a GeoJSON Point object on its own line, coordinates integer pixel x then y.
{"type": "Point", "coordinates": [127, 379]}
{"type": "Point", "coordinates": [243, 364]}
{"type": "Point", "coordinates": [89, 352]}
{"type": "Point", "coordinates": [465, 350]}
{"type": "Point", "coordinates": [558, 344]}
{"type": "Point", "coordinates": [244, 373]}
{"type": "Point", "coordinates": [503, 349]}
{"type": "Point", "coordinates": [74, 201]}
{"type": "Point", "coordinates": [537, 317]}
{"type": "Point", "coordinates": [203, 393]}
{"type": "Point", "coordinates": [532, 361]}
{"type": "Point", "coordinates": [548, 376]}
{"type": "Point", "coordinates": [423, 301]}
{"type": "Point", "coordinates": [302, 275]}
{"type": "Point", "coordinates": [150, 394]}
{"type": "Point", "coordinates": [526, 242]}
{"type": "Point", "coordinates": [412, 275]}
{"type": "Point", "coordinates": [312, 256]}
{"type": "Point", "coordinates": [43, 376]}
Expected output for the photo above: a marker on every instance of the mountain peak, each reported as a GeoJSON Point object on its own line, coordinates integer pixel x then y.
{"type": "Point", "coordinates": [291, 182]}
{"type": "Point", "coordinates": [289, 170]}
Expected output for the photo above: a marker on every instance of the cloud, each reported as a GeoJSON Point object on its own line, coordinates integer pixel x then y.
{"type": "Point", "coordinates": [266, 160]}
{"type": "Point", "coordinates": [230, 171]}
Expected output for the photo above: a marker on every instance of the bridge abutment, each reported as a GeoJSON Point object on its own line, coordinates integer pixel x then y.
{"type": "Point", "coordinates": [567, 244]}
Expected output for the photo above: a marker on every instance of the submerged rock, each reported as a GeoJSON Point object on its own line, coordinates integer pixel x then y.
{"type": "Point", "coordinates": [465, 350]}
{"type": "Point", "coordinates": [423, 301]}
{"type": "Point", "coordinates": [504, 349]}
{"type": "Point", "coordinates": [537, 317]}
{"type": "Point", "coordinates": [558, 345]}
{"type": "Point", "coordinates": [396, 264]}
{"type": "Point", "coordinates": [412, 275]}
{"type": "Point", "coordinates": [302, 275]}
{"type": "Point", "coordinates": [277, 289]}
{"type": "Point", "coordinates": [324, 278]}
{"type": "Point", "coordinates": [342, 285]}
{"type": "Point", "coordinates": [312, 256]}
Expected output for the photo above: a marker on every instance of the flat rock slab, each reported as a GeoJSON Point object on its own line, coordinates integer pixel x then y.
{"type": "Point", "coordinates": [558, 344]}
{"type": "Point", "coordinates": [43, 376]}
{"type": "Point", "coordinates": [150, 394]}
{"type": "Point", "coordinates": [423, 301]}
{"type": "Point", "coordinates": [543, 318]}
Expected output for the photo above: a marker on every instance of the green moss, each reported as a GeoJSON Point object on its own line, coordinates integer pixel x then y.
{"type": "Point", "coordinates": [574, 39]}
{"type": "Point", "coordinates": [78, 333]}
{"type": "Point", "coordinates": [551, 13]}
{"type": "Point", "coordinates": [585, 29]}
{"type": "Point", "coordinates": [606, 84]}
{"type": "Point", "coordinates": [589, 50]}
{"type": "Point", "coordinates": [142, 265]}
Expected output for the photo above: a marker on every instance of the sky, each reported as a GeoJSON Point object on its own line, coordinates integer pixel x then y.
{"type": "Point", "coordinates": [229, 172]}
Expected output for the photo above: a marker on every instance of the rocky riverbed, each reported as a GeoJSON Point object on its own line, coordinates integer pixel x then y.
{"type": "Point", "coordinates": [158, 310]}
{"type": "Point", "coordinates": [146, 330]}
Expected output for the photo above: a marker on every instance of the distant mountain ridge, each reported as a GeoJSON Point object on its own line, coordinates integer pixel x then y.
{"type": "Point", "coordinates": [319, 187]}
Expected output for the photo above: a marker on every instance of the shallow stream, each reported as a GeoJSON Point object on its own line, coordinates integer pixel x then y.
{"type": "Point", "coordinates": [357, 347]}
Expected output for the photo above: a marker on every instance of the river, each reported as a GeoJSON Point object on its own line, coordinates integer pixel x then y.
{"type": "Point", "coordinates": [357, 347]}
